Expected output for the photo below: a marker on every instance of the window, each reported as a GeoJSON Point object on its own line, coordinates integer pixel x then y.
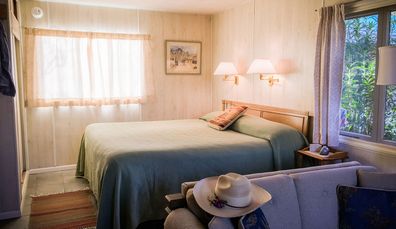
{"type": "Point", "coordinates": [368, 111]}
{"type": "Point", "coordinates": [390, 100]}
{"type": "Point", "coordinates": [79, 68]}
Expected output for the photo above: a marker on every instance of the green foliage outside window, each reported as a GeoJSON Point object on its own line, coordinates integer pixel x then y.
{"type": "Point", "coordinates": [390, 102]}
{"type": "Point", "coordinates": [359, 75]}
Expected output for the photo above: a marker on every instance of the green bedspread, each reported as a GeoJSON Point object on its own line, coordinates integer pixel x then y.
{"type": "Point", "coordinates": [131, 166]}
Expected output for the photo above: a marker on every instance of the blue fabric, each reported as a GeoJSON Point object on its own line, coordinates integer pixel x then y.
{"type": "Point", "coordinates": [366, 208]}
{"type": "Point", "coordinates": [6, 85]}
{"type": "Point", "coordinates": [254, 220]}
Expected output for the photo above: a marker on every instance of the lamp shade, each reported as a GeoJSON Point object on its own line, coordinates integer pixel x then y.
{"type": "Point", "coordinates": [387, 66]}
{"type": "Point", "coordinates": [261, 66]}
{"type": "Point", "coordinates": [226, 68]}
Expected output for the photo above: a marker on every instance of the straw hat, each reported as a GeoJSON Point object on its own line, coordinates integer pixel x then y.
{"type": "Point", "coordinates": [229, 195]}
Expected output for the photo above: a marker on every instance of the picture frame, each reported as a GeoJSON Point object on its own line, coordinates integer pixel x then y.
{"type": "Point", "coordinates": [183, 57]}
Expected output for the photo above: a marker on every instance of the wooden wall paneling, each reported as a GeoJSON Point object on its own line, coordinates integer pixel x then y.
{"type": "Point", "coordinates": [293, 41]}
{"type": "Point", "coordinates": [27, 19]}
{"type": "Point", "coordinates": [178, 96]}
{"type": "Point", "coordinates": [78, 17]}
{"type": "Point", "coordinates": [69, 126]}
{"type": "Point", "coordinates": [40, 137]}
{"type": "Point", "coordinates": [285, 32]}
{"type": "Point", "coordinates": [232, 41]}
{"type": "Point", "coordinates": [153, 23]}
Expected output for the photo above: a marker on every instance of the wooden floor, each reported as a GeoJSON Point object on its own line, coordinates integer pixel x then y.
{"type": "Point", "coordinates": [44, 184]}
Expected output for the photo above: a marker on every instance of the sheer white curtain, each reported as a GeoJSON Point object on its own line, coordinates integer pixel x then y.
{"type": "Point", "coordinates": [329, 62]}
{"type": "Point", "coordinates": [86, 68]}
{"type": "Point", "coordinates": [68, 76]}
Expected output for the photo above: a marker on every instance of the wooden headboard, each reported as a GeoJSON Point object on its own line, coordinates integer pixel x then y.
{"type": "Point", "coordinates": [293, 118]}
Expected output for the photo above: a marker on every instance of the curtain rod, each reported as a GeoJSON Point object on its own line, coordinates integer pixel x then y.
{"type": "Point", "coordinates": [346, 4]}
{"type": "Point", "coordinates": [82, 34]}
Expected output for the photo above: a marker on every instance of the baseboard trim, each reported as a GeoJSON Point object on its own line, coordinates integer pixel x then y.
{"type": "Point", "coordinates": [10, 214]}
{"type": "Point", "coordinates": [53, 169]}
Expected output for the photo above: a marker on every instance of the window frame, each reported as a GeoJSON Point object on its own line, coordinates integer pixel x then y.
{"type": "Point", "coordinates": [383, 32]}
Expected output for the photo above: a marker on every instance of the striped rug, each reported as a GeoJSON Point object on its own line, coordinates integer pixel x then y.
{"type": "Point", "coordinates": [66, 210]}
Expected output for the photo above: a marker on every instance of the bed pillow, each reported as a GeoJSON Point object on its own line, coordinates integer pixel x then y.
{"type": "Point", "coordinates": [228, 117]}
{"type": "Point", "coordinates": [366, 208]}
{"type": "Point", "coordinates": [209, 116]}
{"type": "Point", "coordinates": [263, 128]}
{"type": "Point", "coordinates": [284, 139]}
{"type": "Point", "coordinates": [376, 180]}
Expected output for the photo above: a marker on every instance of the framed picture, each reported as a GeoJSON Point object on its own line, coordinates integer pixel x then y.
{"type": "Point", "coordinates": [183, 57]}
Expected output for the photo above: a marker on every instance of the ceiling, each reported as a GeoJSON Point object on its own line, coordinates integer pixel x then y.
{"type": "Point", "coordinates": [183, 6]}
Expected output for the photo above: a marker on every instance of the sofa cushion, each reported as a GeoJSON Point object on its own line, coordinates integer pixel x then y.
{"type": "Point", "coordinates": [316, 191]}
{"type": "Point", "coordinates": [221, 223]}
{"type": "Point", "coordinates": [282, 210]}
{"type": "Point", "coordinates": [376, 180]}
{"type": "Point", "coordinates": [185, 186]}
{"type": "Point", "coordinates": [366, 208]}
{"type": "Point", "coordinates": [306, 169]}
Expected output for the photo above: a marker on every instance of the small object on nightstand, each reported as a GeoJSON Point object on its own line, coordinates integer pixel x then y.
{"type": "Point", "coordinates": [324, 150]}
{"type": "Point", "coordinates": [315, 147]}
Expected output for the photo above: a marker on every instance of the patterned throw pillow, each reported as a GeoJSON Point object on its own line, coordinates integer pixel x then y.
{"type": "Point", "coordinates": [366, 208]}
{"type": "Point", "coordinates": [229, 116]}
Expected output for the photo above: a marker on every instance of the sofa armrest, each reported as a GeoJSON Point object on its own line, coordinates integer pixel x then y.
{"type": "Point", "coordinates": [175, 201]}
{"type": "Point", "coordinates": [182, 218]}
{"type": "Point", "coordinates": [185, 186]}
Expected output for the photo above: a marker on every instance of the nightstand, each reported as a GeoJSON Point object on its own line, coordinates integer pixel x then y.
{"type": "Point", "coordinates": [318, 159]}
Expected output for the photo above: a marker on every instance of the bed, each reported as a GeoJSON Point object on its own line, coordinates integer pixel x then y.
{"type": "Point", "coordinates": [131, 166]}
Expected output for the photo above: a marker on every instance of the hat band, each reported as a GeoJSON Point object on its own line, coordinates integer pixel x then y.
{"type": "Point", "coordinates": [219, 203]}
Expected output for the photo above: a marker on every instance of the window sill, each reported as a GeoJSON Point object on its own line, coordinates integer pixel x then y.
{"type": "Point", "coordinates": [372, 146]}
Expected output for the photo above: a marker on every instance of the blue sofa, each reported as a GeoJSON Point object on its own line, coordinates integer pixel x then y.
{"type": "Point", "coordinates": [301, 198]}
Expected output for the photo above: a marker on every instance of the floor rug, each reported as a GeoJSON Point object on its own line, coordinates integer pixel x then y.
{"type": "Point", "coordinates": [66, 210]}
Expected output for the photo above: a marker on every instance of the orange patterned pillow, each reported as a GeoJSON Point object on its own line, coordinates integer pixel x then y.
{"type": "Point", "coordinates": [229, 116]}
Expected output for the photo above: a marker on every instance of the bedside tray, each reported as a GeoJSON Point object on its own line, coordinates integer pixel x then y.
{"type": "Point", "coordinates": [333, 155]}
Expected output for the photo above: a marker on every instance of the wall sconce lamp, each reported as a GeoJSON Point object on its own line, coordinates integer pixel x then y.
{"type": "Point", "coordinates": [386, 66]}
{"type": "Point", "coordinates": [263, 66]}
{"type": "Point", "coordinates": [227, 69]}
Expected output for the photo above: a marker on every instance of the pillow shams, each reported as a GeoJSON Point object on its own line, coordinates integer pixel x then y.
{"type": "Point", "coordinates": [209, 116]}
{"type": "Point", "coordinates": [229, 116]}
